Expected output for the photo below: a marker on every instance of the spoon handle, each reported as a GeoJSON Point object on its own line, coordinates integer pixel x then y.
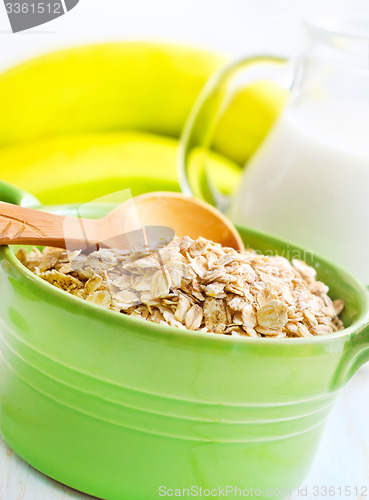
{"type": "Point", "coordinates": [26, 226]}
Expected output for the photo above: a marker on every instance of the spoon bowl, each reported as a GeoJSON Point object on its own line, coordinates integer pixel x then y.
{"type": "Point", "coordinates": [151, 216]}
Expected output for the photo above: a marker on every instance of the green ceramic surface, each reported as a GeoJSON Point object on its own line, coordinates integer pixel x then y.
{"type": "Point", "coordinates": [117, 407]}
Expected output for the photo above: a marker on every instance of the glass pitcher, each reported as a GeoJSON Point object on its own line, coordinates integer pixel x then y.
{"type": "Point", "coordinates": [309, 180]}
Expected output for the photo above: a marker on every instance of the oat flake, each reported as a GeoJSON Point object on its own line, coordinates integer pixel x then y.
{"type": "Point", "coordinates": [198, 285]}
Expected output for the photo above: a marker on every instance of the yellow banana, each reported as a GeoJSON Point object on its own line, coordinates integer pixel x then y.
{"type": "Point", "coordinates": [81, 167]}
{"type": "Point", "coordinates": [71, 118]}
{"type": "Point", "coordinates": [248, 119]}
{"type": "Point", "coordinates": [115, 86]}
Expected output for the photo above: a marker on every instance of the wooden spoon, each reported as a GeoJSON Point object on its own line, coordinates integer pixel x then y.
{"type": "Point", "coordinates": [151, 216]}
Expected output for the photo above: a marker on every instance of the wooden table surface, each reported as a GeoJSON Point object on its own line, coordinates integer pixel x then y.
{"type": "Point", "coordinates": [342, 460]}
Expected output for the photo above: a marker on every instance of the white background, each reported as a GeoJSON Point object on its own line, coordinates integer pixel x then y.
{"type": "Point", "coordinates": [237, 27]}
{"type": "Point", "coordinates": [234, 26]}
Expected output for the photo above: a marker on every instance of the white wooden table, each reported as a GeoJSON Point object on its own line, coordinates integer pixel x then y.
{"type": "Point", "coordinates": [342, 460]}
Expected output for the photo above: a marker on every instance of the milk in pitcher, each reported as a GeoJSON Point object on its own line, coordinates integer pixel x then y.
{"type": "Point", "coordinates": [309, 183]}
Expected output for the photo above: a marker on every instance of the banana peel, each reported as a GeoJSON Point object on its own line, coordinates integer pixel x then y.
{"type": "Point", "coordinates": [86, 121]}
{"type": "Point", "coordinates": [78, 168]}
{"type": "Point", "coordinates": [248, 120]}
{"type": "Point", "coordinates": [107, 87]}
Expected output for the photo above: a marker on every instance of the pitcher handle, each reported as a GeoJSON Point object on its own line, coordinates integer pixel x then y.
{"type": "Point", "coordinates": [200, 127]}
{"type": "Point", "coordinates": [16, 196]}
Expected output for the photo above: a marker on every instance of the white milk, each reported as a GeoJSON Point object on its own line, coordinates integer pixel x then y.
{"type": "Point", "coordinates": [309, 183]}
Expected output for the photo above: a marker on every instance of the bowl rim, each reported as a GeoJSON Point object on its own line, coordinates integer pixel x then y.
{"type": "Point", "coordinates": [355, 328]}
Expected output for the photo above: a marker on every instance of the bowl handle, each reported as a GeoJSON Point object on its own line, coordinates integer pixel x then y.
{"type": "Point", "coordinates": [354, 358]}
{"type": "Point", "coordinates": [14, 195]}
{"type": "Point", "coordinates": [360, 345]}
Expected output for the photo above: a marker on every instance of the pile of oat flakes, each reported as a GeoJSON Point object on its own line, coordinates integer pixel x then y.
{"type": "Point", "coordinates": [198, 285]}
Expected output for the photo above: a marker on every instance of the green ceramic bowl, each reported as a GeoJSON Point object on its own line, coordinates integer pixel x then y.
{"type": "Point", "coordinates": [118, 408]}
